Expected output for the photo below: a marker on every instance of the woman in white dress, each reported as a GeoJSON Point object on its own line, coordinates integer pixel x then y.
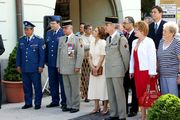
{"type": "Point", "coordinates": [97, 84]}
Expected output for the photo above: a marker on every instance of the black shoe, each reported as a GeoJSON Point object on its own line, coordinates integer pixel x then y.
{"type": "Point", "coordinates": [112, 118]}
{"type": "Point", "coordinates": [63, 106]}
{"type": "Point", "coordinates": [74, 110]}
{"type": "Point", "coordinates": [86, 100]}
{"type": "Point", "coordinates": [66, 109]}
{"type": "Point", "coordinates": [52, 105]}
{"type": "Point", "coordinates": [37, 107]}
{"type": "Point", "coordinates": [26, 106]}
{"type": "Point", "coordinates": [132, 114]}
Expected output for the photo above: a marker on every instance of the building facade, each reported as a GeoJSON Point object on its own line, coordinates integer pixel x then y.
{"type": "Point", "coordinates": [88, 11]}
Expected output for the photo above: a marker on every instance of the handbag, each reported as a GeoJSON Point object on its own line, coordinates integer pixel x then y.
{"type": "Point", "coordinates": [150, 96]}
{"type": "Point", "coordinates": [99, 71]}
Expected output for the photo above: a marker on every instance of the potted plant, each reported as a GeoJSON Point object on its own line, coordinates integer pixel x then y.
{"type": "Point", "coordinates": [12, 80]}
{"type": "Point", "coordinates": [167, 107]}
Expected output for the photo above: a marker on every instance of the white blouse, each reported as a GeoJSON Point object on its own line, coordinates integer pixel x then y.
{"type": "Point", "coordinates": [146, 56]}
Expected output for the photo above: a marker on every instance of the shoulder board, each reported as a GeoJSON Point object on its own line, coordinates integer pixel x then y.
{"type": "Point", "coordinates": [49, 30]}
{"type": "Point", "coordinates": [22, 37]}
{"type": "Point", "coordinates": [38, 36]}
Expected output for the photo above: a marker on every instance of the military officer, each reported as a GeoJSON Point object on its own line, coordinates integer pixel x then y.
{"type": "Point", "coordinates": [30, 62]}
{"type": "Point", "coordinates": [116, 65]}
{"type": "Point", "coordinates": [52, 39]}
{"type": "Point", "coordinates": [69, 61]}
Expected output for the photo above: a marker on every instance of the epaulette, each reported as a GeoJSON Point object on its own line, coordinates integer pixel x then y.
{"type": "Point", "coordinates": [22, 37]}
{"type": "Point", "coordinates": [38, 36]}
{"type": "Point", "coordinates": [49, 30]}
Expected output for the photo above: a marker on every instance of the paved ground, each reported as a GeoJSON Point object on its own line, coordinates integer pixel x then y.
{"type": "Point", "coordinates": [14, 112]}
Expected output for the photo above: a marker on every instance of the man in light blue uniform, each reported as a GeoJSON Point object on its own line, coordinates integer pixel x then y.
{"type": "Point", "coordinates": [30, 62]}
{"type": "Point", "coordinates": [52, 40]}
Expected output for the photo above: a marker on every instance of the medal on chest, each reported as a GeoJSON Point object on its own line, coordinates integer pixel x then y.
{"type": "Point", "coordinates": [71, 50]}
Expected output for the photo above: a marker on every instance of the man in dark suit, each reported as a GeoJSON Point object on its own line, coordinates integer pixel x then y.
{"type": "Point", "coordinates": [128, 24]}
{"type": "Point", "coordinates": [156, 27]}
{"type": "Point", "coordinates": [1, 52]}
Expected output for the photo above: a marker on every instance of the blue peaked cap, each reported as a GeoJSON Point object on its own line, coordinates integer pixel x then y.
{"type": "Point", "coordinates": [56, 18]}
{"type": "Point", "coordinates": [28, 24]}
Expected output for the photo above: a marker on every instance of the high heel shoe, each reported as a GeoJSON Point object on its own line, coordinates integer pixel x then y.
{"type": "Point", "coordinates": [95, 111]}
{"type": "Point", "coordinates": [105, 112]}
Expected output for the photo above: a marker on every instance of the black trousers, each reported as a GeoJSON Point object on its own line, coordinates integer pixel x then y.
{"type": "Point", "coordinates": [130, 84]}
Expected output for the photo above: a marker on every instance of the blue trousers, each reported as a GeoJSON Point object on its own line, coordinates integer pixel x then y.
{"type": "Point", "coordinates": [30, 79]}
{"type": "Point", "coordinates": [169, 85]}
{"type": "Point", "coordinates": [54, 80]}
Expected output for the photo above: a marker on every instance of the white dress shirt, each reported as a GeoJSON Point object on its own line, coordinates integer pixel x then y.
{"type": "Point", "coordinates": [146, 56]}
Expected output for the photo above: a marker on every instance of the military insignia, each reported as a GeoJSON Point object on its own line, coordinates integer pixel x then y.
{"type": "Point", "coordinates": [21, 37]}
{"type": "Point", "coordinates": [38, 36]}
{"type": "Point", "coordinates": [81, 42]}
{"type": "Point", "coordinates": [21, 43]}
{"type": "Point", "coordinates": [71, 48]}
{"type": "Point", "coordinates": [125, 46]}
{"type": "Point", "coordinates": [25, 23]}
{"type": "Point", "coordinates": [44, 46]}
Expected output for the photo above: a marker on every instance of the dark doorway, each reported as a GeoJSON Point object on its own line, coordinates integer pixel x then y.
{"type": "Point", "coordinates": [63, 9]}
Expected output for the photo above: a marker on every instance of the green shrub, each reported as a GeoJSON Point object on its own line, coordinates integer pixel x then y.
{"type": "Point", "coordinates": [167, 107]}
{"type": "Point", "coordinates": [10, 73]}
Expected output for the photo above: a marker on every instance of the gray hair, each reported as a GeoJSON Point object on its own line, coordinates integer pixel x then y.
{"type": "Point", "coordinates": [148, 19]}
{"type": "Point", "coordinates": [130, 19]}
{"type": "Point", "coordinates": [172, 27]}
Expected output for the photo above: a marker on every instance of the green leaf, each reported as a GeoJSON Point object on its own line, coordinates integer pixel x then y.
{"type": "Point", "coordinates": [10, 73]}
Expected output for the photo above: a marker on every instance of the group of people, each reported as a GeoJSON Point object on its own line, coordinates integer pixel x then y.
{"type": "Point", "coordinates": [104, 63]}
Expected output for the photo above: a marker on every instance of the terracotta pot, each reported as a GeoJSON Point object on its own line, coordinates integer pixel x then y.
{"type": "Point", "coordinates": [13, 91]}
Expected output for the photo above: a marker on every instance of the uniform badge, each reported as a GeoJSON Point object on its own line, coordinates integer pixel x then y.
{"type": "Point", "coordinates": [44, 46]}
{"type": "Point", "coordinates": [81, 42]}
{"type": "Point", "coordinates": [125, 46]}
{"type": "Point", "coordinates": [71, 48]}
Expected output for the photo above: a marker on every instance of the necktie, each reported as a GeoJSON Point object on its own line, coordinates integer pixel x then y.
{"type": "Point", "coordinates": [155, 27]}
{"type": "Point", "coordinates": [127, 36]}
{"type": "Point", "coordinates": [110, 39]}
{"type": "Point", "coordinates": [66, 39]}
{"type": "Point", "coordinates": [28, 39]}
{"type": "Point", "coordinates": [54, 33]}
